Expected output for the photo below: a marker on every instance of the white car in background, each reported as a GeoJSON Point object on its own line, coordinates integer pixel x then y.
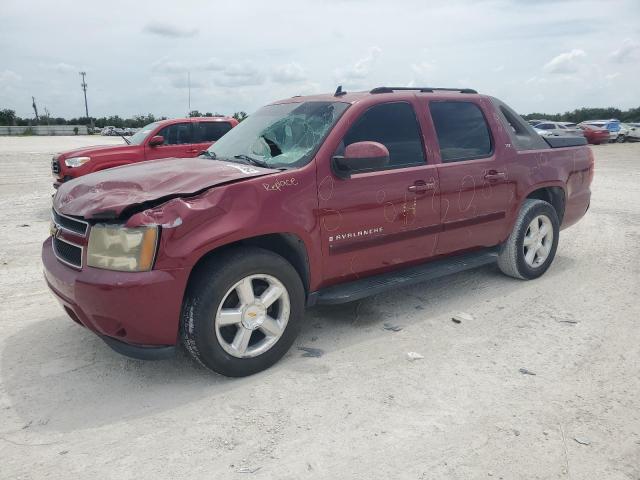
{"type": "Point", "coordinates": [557, 129]}
{"type": "Point", "coordinates": [632, 130]}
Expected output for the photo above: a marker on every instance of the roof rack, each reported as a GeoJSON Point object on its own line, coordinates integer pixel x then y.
{"type": "Point", "coordinates": [421, 89]}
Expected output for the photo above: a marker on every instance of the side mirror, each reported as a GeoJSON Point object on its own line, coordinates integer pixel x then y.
{"type": "Point", "coordinates": [360, 157]}
{"type": "Point", "coordinates": [156, 140]}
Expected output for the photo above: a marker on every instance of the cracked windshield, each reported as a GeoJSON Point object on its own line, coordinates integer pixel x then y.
{"type": "Point", "coordinates": [279, 136]}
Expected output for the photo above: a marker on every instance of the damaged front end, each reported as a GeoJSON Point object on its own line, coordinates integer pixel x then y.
{"type": "Point", "coordinates": [117, 257]}
{"type": "Point", "coordinates": [118, 193]}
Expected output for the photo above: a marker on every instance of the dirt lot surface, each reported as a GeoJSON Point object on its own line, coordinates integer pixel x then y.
{"type": "Point", "coordinates": [72, 408]}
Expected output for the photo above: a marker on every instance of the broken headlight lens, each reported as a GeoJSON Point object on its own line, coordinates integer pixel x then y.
{"type": "Point", "coordinates": [74, 162]}
{"type": "Point", "coordinates": [115, 247]}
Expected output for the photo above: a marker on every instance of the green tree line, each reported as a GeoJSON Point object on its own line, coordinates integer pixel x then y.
{"type": "Point", "coordinates": [582, 114]}
{"type": "Point", "coordinates": [9, 117]}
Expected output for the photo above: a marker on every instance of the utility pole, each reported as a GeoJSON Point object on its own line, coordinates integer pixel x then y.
{"type": "Point", "coordinates": [35, 109]}
{"type": "Point", "coordinates": [189, 88]}
{"type": "Point", "coordinates": [84, 89]}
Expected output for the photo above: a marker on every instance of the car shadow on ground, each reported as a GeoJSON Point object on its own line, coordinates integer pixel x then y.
{"type": "Point", "coordinates": [61, 377]}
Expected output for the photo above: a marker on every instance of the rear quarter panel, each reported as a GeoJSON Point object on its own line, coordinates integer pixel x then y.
{"type": "Point", "coordinates": [568, 168]}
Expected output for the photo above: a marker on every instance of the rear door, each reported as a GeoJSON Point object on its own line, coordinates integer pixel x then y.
{"type": "Point", "coordinates": [205, 133]}
{"type": "Point", "coordinates": [380, 219]}
{"type": "Point", "coordinates": [178, 142]}
{"type": "Point", "coordinates": [474, 188]}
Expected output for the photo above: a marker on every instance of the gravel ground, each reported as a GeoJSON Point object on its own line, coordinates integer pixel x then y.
{"type": "Point", "coordinates": [72, 408]}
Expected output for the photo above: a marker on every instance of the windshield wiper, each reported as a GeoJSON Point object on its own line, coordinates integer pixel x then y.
{"type": "Point", "coordinates": [254, 161]}
{"type": "Point", "coordinates": [207, 153]}
{"type": "Point", "coordinates": [125, 139]}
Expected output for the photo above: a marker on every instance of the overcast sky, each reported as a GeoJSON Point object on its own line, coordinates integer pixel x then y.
{"type": "Point", "coordinates": [538, 55]}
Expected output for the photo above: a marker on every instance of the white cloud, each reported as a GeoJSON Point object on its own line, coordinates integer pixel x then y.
{"type": "Point", "coordinates": [168, 30]}
{"type": "Point", "coordinates": [8, 77]}
{"type": "Point", "coordinates": [565, 63]}
{"type": "Point", "coordinates": [488, 35]}
{"type": "Point", "coordinates": [628, 51]}
{"type": "Point", "coordinates": [213, 65]}
{"type": "Point", "coordinates": [423, 74]}
{"type": "Point", "coordinates": [167, 65]}
{"type": "Point", "coordinates": [289, 73]}
{"type": "Point", "coordinates": [613, 76]}
{"type": "Point", "coordinates": [183, 81]}
{"type": "Point", "coordinates": [361, 68]}
{"type": "Point", "coordinates": [423, 70]}
{"type": "Point", "coordinates": [239, 75]}
{"type": "Point", "coordinates": [64, 68]}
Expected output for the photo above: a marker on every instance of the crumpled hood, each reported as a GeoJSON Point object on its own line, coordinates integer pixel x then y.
{"type": "Point", "coordinates": [106, 194]}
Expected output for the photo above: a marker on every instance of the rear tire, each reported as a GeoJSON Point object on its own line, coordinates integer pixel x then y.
{"type": "Point", "coordinates": [242, 311]}
{"type": "Point", "coordinates": [621, 139]}
{"type": "Point", "coordinates": [531, 247]}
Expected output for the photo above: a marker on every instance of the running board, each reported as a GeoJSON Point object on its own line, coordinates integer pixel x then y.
{"type": "Point", "coordinates": [357, 289]}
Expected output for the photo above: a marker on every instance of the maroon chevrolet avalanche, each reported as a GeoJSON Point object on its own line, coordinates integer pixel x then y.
{"type": "Point", "coordinates": [311, 200]}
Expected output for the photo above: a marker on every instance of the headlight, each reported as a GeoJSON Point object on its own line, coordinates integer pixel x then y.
{"type": "Point", "coordinates": [115, 247]}
{"type": "Point", "coordinates": [74, 162]}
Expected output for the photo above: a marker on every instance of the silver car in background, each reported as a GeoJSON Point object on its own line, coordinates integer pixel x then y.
{"type": "Point", "coordinates": [557, 129]}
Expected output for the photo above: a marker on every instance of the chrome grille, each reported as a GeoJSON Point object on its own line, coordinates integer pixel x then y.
{"type": "Point", "coordinates": [55, 165]}
{"type": "Point", "coordinates": [71, 224]}
{"type": "Point", "coordinates": [67, 253]}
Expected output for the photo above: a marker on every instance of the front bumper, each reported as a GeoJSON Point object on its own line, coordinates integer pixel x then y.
{"type": "Point", "coordinates": [137, 314]}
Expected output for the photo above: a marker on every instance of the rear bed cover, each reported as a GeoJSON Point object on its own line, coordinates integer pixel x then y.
{"type": "Point", "coordinates": [559, 142]}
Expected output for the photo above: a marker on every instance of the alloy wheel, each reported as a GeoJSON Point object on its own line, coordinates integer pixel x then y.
{"type": "Point", "coordinates": [252, 316]}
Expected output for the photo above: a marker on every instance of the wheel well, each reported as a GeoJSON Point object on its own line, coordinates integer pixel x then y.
{"type": "Point", "coordinates": [552, 195]}
{"type": "Point", "coordinates": [287, 245]}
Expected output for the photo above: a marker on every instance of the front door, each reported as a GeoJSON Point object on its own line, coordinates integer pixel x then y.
{"type": "Point", "coordinates": [474, 188]}
{"type": "Point", "coordinates": [380, 219]}
{"type": "Point", "coordinates": [178, 143]}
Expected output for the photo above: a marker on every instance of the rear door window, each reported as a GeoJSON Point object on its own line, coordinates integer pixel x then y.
{"type": "Point", "coordinates": [522, 134]}
{"type": "Point", "coordinates": [210, 131]}
{"type": "Point", "coordinates": [462, 130]}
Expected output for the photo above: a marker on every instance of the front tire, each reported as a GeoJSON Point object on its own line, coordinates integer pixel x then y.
{"type": "Point", "coordinates": [531, 247]}
{"type": "Point", "coordinates": [242, 311]}
{"type": "Point", "coordinates": [621, 139]}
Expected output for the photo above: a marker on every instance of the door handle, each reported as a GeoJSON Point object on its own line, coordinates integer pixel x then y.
{"type": "Point", "coordinates": [421, 187]}
{"type": "Point", "coordinates": [493, 175]}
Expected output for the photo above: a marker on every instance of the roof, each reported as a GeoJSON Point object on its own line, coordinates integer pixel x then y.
{"type": "Point", "coordinates": [170, 121]}
{"type": "Point", "coordinates": [384, 92]}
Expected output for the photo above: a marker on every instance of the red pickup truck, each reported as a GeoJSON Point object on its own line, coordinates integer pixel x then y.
{"type": "Point", "coordinates": [311, 200]}
{"type": "Point", "coordinates": [178, 137]}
